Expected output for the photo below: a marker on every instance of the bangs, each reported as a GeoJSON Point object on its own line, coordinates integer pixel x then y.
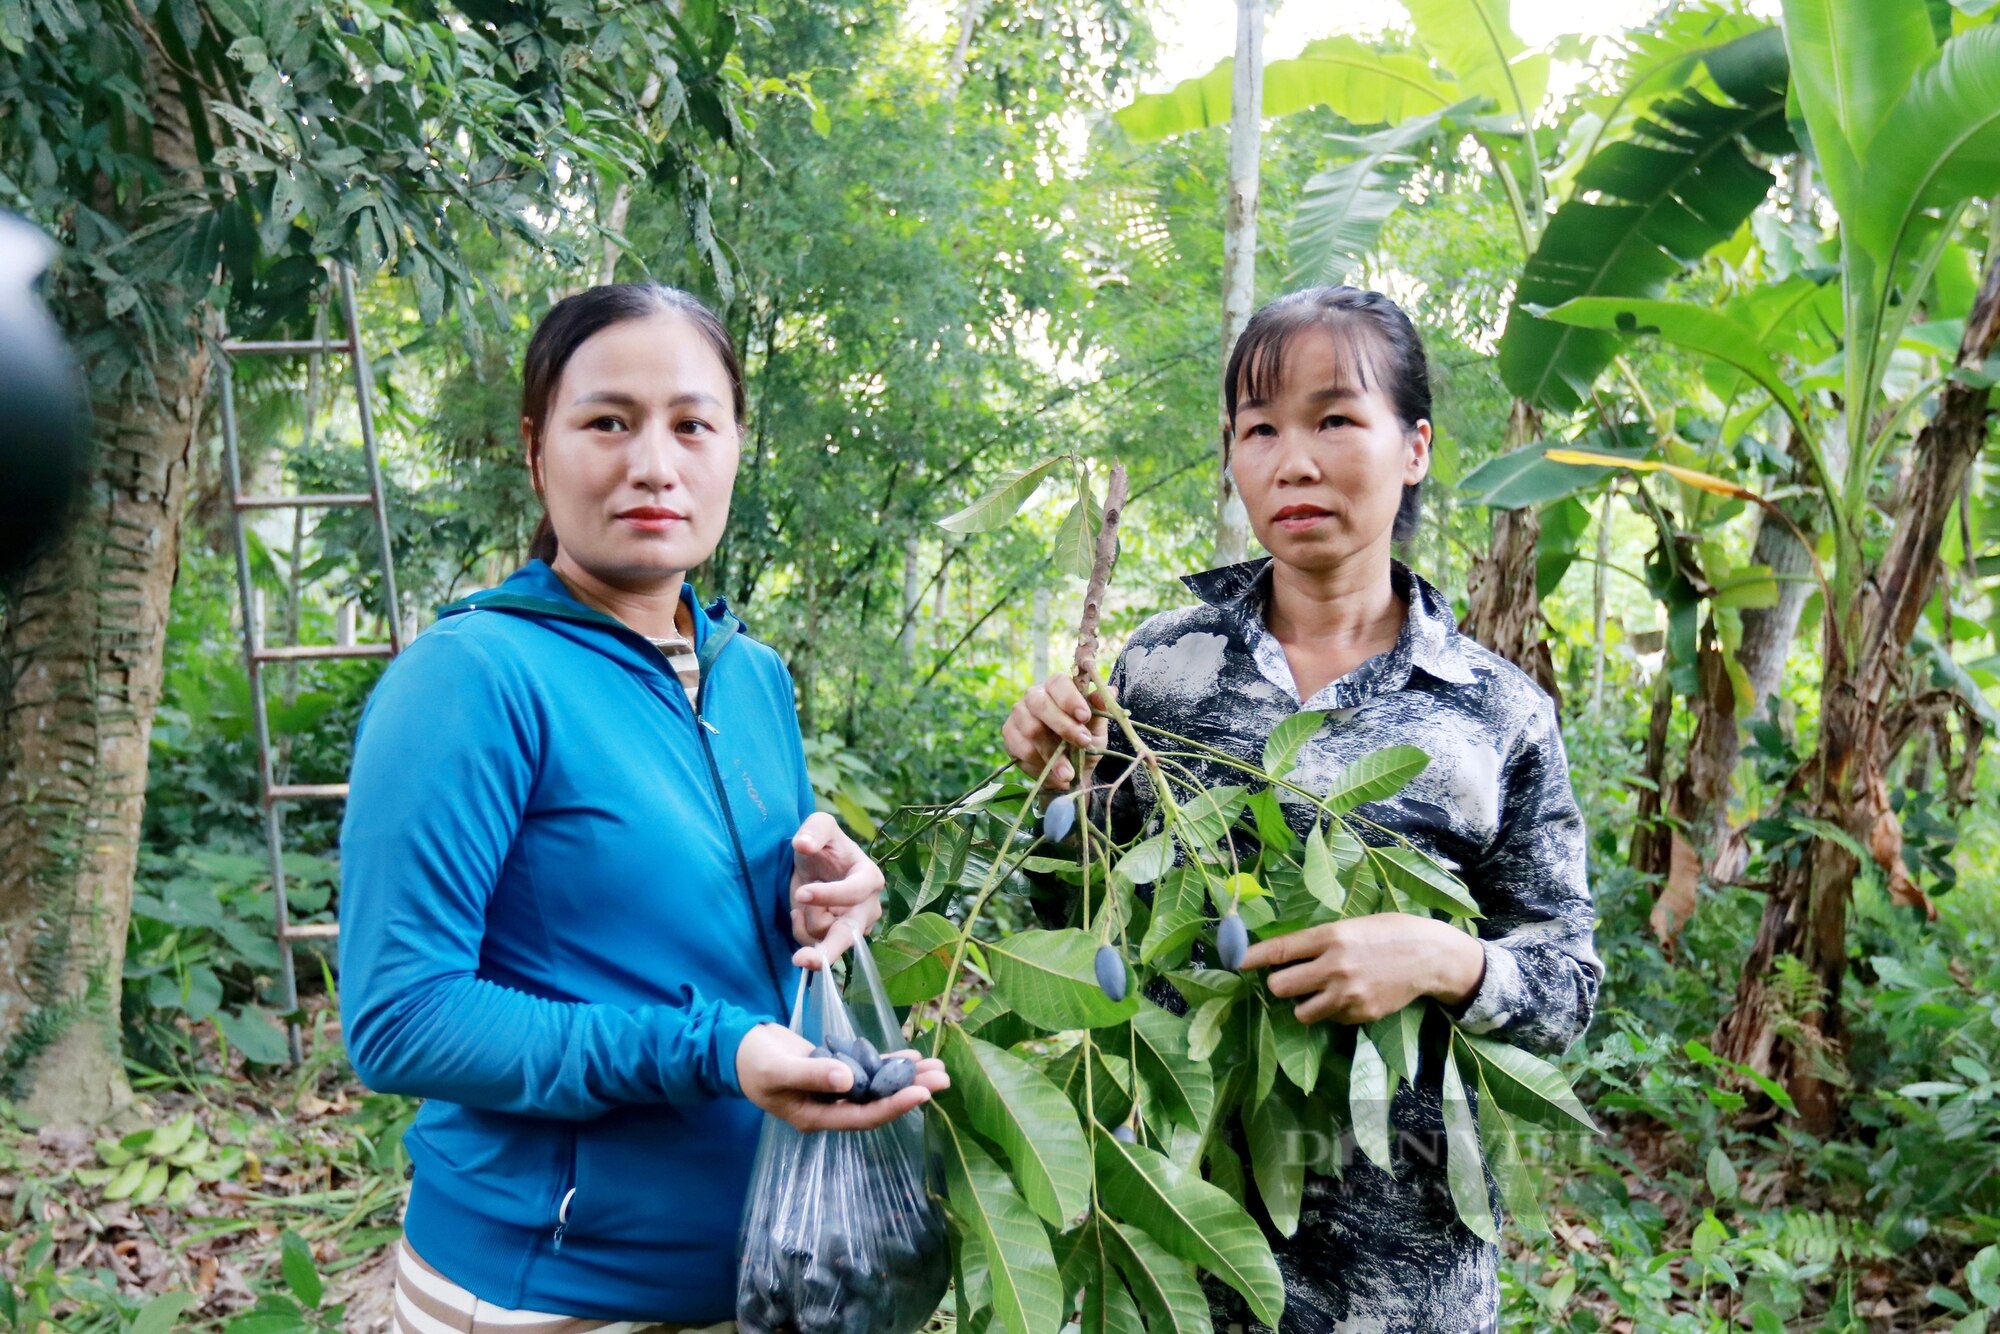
{"type": "Point", "coordinates": [1358, 355]}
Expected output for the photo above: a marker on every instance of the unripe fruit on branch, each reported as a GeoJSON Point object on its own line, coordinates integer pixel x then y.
{"type": "Point", "coordinates": [1111, 972]}
{"type": "Point", "coordinates": [1232, 938]}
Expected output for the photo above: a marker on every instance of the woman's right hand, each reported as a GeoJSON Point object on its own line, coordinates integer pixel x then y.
{"type": "Point", "coordinates": [1049, 717]}
{"type": "Point", "coordinates": [777, 1070]}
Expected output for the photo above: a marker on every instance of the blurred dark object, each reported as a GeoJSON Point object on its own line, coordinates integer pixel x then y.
{"type": "Point", "coordinates": [44, 421]}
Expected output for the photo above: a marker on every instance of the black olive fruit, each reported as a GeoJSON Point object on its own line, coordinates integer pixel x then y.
{"type": "Point", "coordinates": [1111, 972]}
{"type": "Point", "coordinates": [862, 1050]}
{"type": "Point", "coordinates": [1125, 1134]}
{"type": "Point", "coordinates": [1059, 819]}
{"type": "Point", "coordinates": [893, 1076]}
{"type": "Point", "coordinates": [1232, 938]}
{"type": "Point", "coordinates": [859, 1093]}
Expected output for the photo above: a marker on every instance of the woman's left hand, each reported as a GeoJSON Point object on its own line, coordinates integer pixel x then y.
{"type": "Point", "coordinates": [834, 884]}
{"type": "Point", "coordinates": [1358, 970]}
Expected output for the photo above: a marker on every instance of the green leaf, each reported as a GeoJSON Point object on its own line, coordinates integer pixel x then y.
{"type": "Point", "coordinates": [1169, 1295]}
{"type": "Point", "coordinates": [1205, 1034]}
{"type": "Point", "coordinates": [1197, 985]}
{"type": "Point", "coordinates": [1524, 479]}
{"type": "Point", "coordinates": [1939, 144]}
{"type": "Point", "coordinates": [1208, 816]}
{"type": "Point", "coordinates": [1369, 1093]}
{"type": "Point", "coordinates": [1646, 209]}
{"type": "Point", "coordinates": [1501, 1142]}
{"type": "Point", "coordinates": [1852, 60]}
{"type": "Point", "coordinates": [1107, 1307]}
{"type": "Point", "coordinates": [1695, 328]}
{"type": "Point", "coordinates": [1267, 1056]}
{"type": "Point", "coordinates": [1376, 775]}
{"type": "Point", "coordinates": [1191, 1219]}
{"type": "Point", "coordinates": [1721, 1174]}
{"type": "Point", "coordinates": [1109, 1081]}
{"type": "Point", "coordinates": [1301, 1047]}
{"type": "Point", "coordinates": [1281, 748]}
{"type": "Point", "coordinates": [1364, 85]}
{"type": "Point", "coordinates": [254, 1031]}
{"type": "Point", "coordinates": [1465, 1168]}
{"type": "Point", "coordinates": [1424, 880]}
{"type": "Point", "coordinates": [1276, 1162]}
{"type": "Point", "coordinates": [1021, 1269]}
{"type": "Point", "coordinates": [156, 1316]}
{"type": "Point", "coordinates": [1016, 1107]}
{"type": "Point", "coordinates": [915, 957]}
{"type": "Point", "coordinates": [1050, 978]}
{"type": "Point", "coordinates": [1147, 860]}
{"type": "Point", "coordinates": [1075, 548]}
{"type": "Point", "coordinates": [1003, 502]}
{"type": "Point", "coordinates": [1475, 40]}
{"type": "Point", "coordinates": [1526, 1085]}
{"type": "Point", "coordinates": [295, 1262]}
{"type": "Point", "coordinates": [950, 847]}
{"type": "Point", "coordinates": [1177, 1082]}
{"type": "Point", "coordinates": [1341, 211]}
{"type": "Point", "coordinates": [1274, 827]}
{"type": "Point", "coordinates": [1322, 878]}
{"type": "Point", "coordinates": [1396, 1038]}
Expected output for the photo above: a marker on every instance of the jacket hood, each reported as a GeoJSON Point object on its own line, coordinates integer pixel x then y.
{"type": "Point", "coordinates": [535, 590]}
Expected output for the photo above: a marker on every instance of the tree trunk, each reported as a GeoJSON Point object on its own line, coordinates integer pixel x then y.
{"type": "Point", "coordinates": [906, 638]}
{"type": "Point", "coordinates": [961, 51]}
{"type": "Point", "coordinates": [80, 657]}
{"type": "Point", "coordinates": [80, 662]}
{"type": "Point", "coordinates": [1772, 1028]}
{"type": "Point", "coordinates": [1768, 631]}
{"type": "Point", "coordinates": [1239, 250]}
{"type": "Point", "coordinates": [1503, 607]}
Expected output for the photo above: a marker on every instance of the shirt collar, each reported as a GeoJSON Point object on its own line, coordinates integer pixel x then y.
{"type": "Point", "coordinates": [1429, 640]}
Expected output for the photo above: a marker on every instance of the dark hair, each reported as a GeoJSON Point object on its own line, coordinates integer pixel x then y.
{"type": "Point", "coordinates": [571, 323]}
{"type": "Point", "coordinates": [1372, 336]}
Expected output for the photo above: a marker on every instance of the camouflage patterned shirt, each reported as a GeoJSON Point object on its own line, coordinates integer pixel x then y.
{"type": "Point", "coordinates": [1377, 1253]}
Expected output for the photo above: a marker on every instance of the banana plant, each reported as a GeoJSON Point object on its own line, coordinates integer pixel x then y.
{"type": "Point", "coordinates": [1905, 129]}
{"type": "Point", "coordinates": [1087, 1139]}
{"type": "Point", "coordinates": [1652, 176]}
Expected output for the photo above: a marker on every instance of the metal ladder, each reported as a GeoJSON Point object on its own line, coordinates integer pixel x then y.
{"type": "Point", "coordinates": [256, 654]}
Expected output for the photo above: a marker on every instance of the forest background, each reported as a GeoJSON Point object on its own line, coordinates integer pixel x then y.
{"type": "Point", "coordinates": [953, 242]}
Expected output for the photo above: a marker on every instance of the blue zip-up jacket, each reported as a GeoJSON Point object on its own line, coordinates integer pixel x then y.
{"type": "Point", "coordinates": [565, 898]}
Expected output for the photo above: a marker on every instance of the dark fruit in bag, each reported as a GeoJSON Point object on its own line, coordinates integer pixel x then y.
{"type": "Point", "coordinates": [894, 1075]}
{"type": "Point", "coordinates": [1232, 938]}
{"type": "Point", "coordinates": [859, 1093]}
{"type": "Point", "coordinates": [1111, 972]}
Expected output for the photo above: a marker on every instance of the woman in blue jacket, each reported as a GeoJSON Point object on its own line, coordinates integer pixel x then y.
{"type": "Point", "coordinates": [581, 868]}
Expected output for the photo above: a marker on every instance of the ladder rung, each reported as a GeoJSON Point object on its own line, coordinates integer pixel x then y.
{"type": "Point", "coordinates": [284, 347]}
{"type": "Point", "coordinates": [328, 501]}
{"type": "Point", "coordinates": [304, 791]}
{"type": "Point", "coordinates": [312, 652]}
{"type": "Point", "coordinates": [313, 931]}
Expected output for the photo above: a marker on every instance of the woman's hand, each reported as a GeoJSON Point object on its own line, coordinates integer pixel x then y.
{"type": "Point", "coordinates": [1050, 716]}
{"type": "Point", "coordinates": [776, 1068]}
{"type": "Point", "coordinates": [833, 884]}
{"type": "Point", "coordinates": [1357, 971]}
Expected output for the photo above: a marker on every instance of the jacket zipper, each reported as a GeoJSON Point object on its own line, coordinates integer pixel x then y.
{"type": "Point", "coordinates": [568, 1195]}
{"type": "Point", "coordinates": [702, 730]}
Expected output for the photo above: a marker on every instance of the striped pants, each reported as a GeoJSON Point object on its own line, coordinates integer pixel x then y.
{"type": "Point", "coordinates": [429, 1303]}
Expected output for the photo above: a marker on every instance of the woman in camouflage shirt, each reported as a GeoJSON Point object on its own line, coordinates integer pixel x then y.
{"type": "Point", "coordinates": [1328, 400]}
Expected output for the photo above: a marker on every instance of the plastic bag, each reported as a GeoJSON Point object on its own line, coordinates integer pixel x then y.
{"type": "Point", "coordinates": [844, 1232]}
